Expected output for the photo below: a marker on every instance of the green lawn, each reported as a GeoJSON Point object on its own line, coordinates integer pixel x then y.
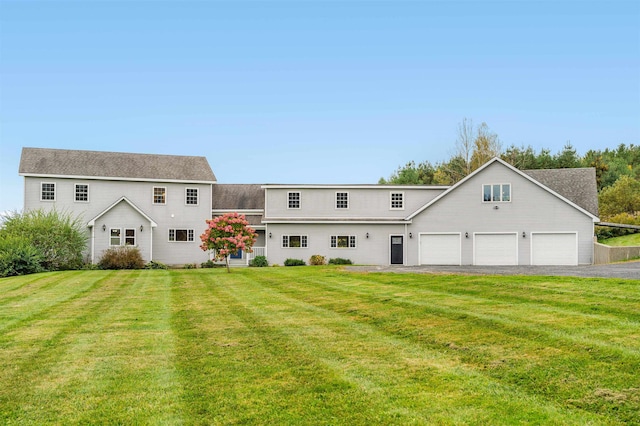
{"type": "Point", "coordinates": [315, 345]}
{"type": "Point", "coordinates": [625, 240]}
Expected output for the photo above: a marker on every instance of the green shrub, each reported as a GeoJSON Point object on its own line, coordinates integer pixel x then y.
{"type": "Point", "coordinates": [210, 264]}
{"type": "Point", "coordinates": [340, 261]}
{"type": "Point", "coordinates": [317, 260]}
{"type": "Point", "coordinates": [155, 265]}
{"type": "Point", "coordinates": [18, 257]}
{"type": "Point", "coordinates": [259, 262]}
{"type": "Point", "coordinates": [605, 232]}
{"type": "Point", "coordinates": [59, 238]}
{"type": "Point", "coordinates": [122, 257]}
{"type": "Point", "coordinates": [294, 262]}
{"type": "Point", "coordinates": [189, 266]}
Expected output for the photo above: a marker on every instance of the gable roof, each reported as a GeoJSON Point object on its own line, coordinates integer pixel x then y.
{"type": "Point", "coordinates": [114, 165]}
{"type": "Point", "coordinates": [92, 222]}
{"type": "Point", "coordinates": [515, 170]}
{"type": "Point", "coordinates": [237, 197]}
{"type": "Point", "coordinates": [577, 185]}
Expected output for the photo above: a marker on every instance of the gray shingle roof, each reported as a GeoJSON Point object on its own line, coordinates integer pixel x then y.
{"type": "Point", "coordinates": [577, 185]}
{"type": "Point", "coordinates": [63, 162]}
{"type": "Point", "coordinates": [238, 197]}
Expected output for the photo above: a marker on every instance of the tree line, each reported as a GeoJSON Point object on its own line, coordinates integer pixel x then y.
{"type": "Point", "coordinates": [617, 169]}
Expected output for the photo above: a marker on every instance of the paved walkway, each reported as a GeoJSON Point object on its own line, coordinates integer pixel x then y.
{"type": "Point", "coordinates": [628, 270]}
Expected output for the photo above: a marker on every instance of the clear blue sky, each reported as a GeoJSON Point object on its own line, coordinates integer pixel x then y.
{"type": "Point", "coordinates": [312, 91]}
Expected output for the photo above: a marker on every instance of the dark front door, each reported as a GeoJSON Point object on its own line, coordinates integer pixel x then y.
{"type": "Point", "coordinates": [397, 251]}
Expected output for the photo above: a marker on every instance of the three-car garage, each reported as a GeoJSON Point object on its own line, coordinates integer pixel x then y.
{"type": "Point", "coordinates": [499, 248]}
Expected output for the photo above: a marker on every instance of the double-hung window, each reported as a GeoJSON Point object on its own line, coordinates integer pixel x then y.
{"type": "Point", "coordinates": [159, 195]}
{"type": "Point", "coordinates": [130, 237]}
{"type": "Point", "coordinates": [342, 200]}
{"type": "Point", "coordinates": [343, 241]}
{"type": "Point", "coordinates": [47, 191]}
{"type": "Point", "coordinates": [191, 196]}
{"type": "Point", "coordinates": [115, 237]}
{"type": "Point", "coordinates": [293, 200]}
{"type": "Point", "coordinates": [397, 201]}
{"type": "Point", "coordinates": [497, 192]}
{"type": "Point", "coordinates": [181, 235]}
{"type": "Point", "coordinates": [295, 241]}
{"type": "Point", "coordinates": [81, 191]}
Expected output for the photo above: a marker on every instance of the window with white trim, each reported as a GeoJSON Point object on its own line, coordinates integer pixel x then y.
{"type": "Point", "coordinates": [496, 193]}
{"type": "Point", "coordinates": [159, 195]}
{"type": "Point", "coordinates": [81, 191]}
{"type": "Point", "coordinates": [181, 235]}
{"type": "Point", "coordinates": [115, 237]}
{"type": "Point", "coordinates": [293, 200]}
{"type": "Point", "coordinates": [130, 237]}
{"type": "Point", "coordinates": [343, 241]}
{"type": "Point", "coordinates": [397, 200]}
{"type": "Point", "coordinates": [191, 196]}
{"type": "Point", "coordinates": [342, 200]}
{"type": "Point", "coordinates": [47, 191]}
{"type": "Point", "coordinates": [295, 241]}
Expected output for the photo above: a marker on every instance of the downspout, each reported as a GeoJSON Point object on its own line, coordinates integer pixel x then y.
{"type": "Point", "coordinates": [406, 252]}
{"type": "Point", "coordinates": [93, 244]}
{"type": "Point", "coordinates": [150, 243]}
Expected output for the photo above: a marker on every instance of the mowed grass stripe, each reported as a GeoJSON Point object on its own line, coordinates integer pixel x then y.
{"type": "Point", "coordinates": [100, 366]}
{"type": "Point", "coordinates": [237, 369]}
{"type": "Point", "coordinates": [316, 345]}
{"type": "Point", "coordinates": [21, 303]}
{"type": "Point", "coordinates": [397, 375]}
{"type": "Point", "coordinates": [551, 362]}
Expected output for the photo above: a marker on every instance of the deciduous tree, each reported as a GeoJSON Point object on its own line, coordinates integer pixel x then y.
{"type": "Point", "coordinates": [226, 235]}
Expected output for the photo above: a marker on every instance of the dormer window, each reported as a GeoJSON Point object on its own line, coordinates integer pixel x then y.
{"type": "Point", "coordinates": [496, 193]}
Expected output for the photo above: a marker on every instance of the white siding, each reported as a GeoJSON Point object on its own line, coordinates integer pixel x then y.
{"type": "Point", "coordinates": [102, 194]}
{"type": "Point", "coordinates": [531, 209]}
{"type": "Point", "coordinates": [374, 250]}
{"type": "Point", "coordinates": [370, 202]}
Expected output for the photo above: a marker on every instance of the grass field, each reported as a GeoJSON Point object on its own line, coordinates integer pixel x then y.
{"type": "Point", "coordinates": [625, 240]}
{"type": "Point", "coordinates": [315, 345]}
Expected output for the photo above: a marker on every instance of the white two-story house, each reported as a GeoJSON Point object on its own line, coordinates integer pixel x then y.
{"type": "Point", "coordinates": [158, 203]}
{"type": "Point", "coordinates": [498, 215]}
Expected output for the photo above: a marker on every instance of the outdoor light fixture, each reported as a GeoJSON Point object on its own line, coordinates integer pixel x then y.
{"type": "Point", "coordinates": [466, 235]}
{"type": "Point", "coordinates": [524, 234]}
{"type": "Point", "coordinates": [141, 228]}
{"type": "Point", "coordinates": [104, 227]}
{"type": "Point", "coordinates": [269, 234]}
{"type": "Point", "coordinates": [496, 207]}
{"type": "Point", "coordinates": [410, 235]}
{"type": "Point", "coordinates": [367, 235]}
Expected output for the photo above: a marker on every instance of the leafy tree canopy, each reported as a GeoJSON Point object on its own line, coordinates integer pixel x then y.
{"type": "Point", "coordinates": [226, 235]}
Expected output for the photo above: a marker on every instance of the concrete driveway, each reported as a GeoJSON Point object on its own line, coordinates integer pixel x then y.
{"type": "Point", "coordinates": [627, 270]}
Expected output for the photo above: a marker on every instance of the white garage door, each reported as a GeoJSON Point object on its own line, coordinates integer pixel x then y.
{"type": "Point", "coordinates": [440, 249]}
{"type": "Point", "coordinates": [554, 248]}
{"type": "Point", "coordinates": [495, 249]}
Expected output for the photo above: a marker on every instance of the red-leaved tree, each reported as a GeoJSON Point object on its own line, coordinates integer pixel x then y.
{"type": "Point", "coordinates": [226, 235]}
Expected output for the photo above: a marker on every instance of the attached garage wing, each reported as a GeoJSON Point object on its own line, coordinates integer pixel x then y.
{"type": "Point", "coordinates": [495, 249]}
{"type": "Point", "coordinates": [440, 249]}
{"type": "Point", "coordinates": [554, 248]}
